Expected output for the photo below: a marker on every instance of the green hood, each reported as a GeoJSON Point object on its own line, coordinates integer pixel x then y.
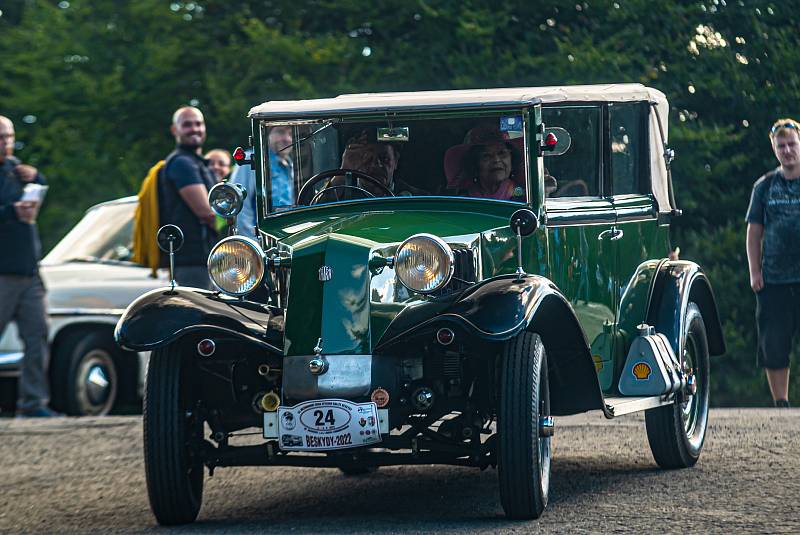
{"type": "Point", "coordinates": [351, 311]}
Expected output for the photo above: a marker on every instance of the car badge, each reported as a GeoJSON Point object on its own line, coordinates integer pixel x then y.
{"type": "Point", "coordinates": [325, 273]}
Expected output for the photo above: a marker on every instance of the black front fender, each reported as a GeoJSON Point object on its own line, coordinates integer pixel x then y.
{"type": "Point", "coordinates": [160, 316]}
{"type": "Point", "coordinates": [500, 308]}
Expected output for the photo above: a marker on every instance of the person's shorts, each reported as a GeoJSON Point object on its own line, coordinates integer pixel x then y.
{"type": "Point", "coordinates": [777, 319]}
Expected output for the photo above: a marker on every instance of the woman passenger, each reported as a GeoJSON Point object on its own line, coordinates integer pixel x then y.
{"type": "Point", "coordinates": [488, 165]}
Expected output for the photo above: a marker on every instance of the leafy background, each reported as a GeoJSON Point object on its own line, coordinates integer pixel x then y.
{"type": "Point", "coordinates": [91, 86]}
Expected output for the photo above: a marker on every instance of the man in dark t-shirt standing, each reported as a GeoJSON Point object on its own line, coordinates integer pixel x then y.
{"type": "Point", "coordinates": [183, 197]}
{"type": "Point", "coordinates": [22, 293]}
{"type": "Point", "coordinates": [773, 254]}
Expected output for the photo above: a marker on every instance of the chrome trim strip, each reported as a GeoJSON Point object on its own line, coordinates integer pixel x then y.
{"type": "Point", "coordinates": [10, 363]}
{"type": "Point", "coordinates": [85, 311]}
{"type": "Point", "coordinates": [574, 219]}
{"type": "Point", "coordinates": [639, 213]}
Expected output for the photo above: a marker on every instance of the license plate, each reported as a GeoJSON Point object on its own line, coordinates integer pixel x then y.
{"type": "Point", "coordinates": [328, 424]}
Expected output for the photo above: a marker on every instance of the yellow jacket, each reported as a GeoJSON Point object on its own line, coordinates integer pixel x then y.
{"type": "Point", "coordinates": [146, 222]}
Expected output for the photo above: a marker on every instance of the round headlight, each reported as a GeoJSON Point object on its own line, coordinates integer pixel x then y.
{"type": "Point", "coordinates": [424, 263]}
{"type": "Point", "coordinates": [236, 265]}
{"type": "Point", "coordinates": [226, 199]}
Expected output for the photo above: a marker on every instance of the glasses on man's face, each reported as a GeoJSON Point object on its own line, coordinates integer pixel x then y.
{"type": "Point", "coordinates": [777, 127]}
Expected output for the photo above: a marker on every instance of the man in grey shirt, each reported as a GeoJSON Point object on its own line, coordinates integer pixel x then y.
{"type": "Point", "coordinates": [773, 255]}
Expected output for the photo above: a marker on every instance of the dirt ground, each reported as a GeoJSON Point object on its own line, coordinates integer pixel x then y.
{"type": "Point", "coordinates": [71, 475]}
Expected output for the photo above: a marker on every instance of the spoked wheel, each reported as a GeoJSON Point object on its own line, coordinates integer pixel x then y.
{"type": "Point", "coordinates": [676, 432]}
{"type": "Point", "coordinates": [174, 475]}
{"type": "Point", "coordinates": [524, 428]}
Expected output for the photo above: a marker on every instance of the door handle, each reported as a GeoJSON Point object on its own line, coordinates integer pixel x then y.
{"type": "Point", "coordinates": [612, 234]}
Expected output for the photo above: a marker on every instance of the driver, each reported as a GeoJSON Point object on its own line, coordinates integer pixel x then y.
{"type": "Point", "coordinates": [379, 160]}
{"type": "Point", "coordinates": [376, 159]}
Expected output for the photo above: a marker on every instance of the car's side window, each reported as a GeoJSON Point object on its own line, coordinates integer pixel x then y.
{"type": "Point", "coordinates": [576, 173]}
{"type": "Point", "coordinates": [626, 125]}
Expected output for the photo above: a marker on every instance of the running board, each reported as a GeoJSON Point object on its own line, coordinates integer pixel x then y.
{"type": "Point", "coordinates": [626, 405]}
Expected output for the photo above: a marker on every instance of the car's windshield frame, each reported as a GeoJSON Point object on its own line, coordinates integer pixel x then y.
{"type": "Point", "coordinates": [261, 163]}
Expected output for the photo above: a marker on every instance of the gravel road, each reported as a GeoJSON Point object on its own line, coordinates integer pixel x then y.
{"type": "Point", "coordinates": [86, 476]}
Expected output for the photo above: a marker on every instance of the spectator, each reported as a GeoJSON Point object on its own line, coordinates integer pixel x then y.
{"type": "Point", "coordinates": [183, 197]}
{"type": "Point", "coordinates": [22, 294]}
{"type": "Point", "coordinates": [281, 169]}
{"type": "Point", "coordinates": [220, 163]}
{"type": "Point", "coordinates": [773, 255]}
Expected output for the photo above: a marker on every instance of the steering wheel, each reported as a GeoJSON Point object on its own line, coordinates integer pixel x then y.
{"type": "Point", "coordinates": [307, 196]}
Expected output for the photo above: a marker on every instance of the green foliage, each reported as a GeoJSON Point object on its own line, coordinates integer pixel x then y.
{"type": "Point", "coordinates": [103, 78]}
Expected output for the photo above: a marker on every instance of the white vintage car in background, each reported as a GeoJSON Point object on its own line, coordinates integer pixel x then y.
{"type": "Point", "coordinates": [90, 281]}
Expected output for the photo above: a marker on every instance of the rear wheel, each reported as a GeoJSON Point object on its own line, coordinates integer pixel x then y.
{"type": "Point", "coordinates": [84, 373]}
{"type": "Point", "coordinates": [676, 433]}
{"type": "Point", "coordinates": [174, 474]}
{"type": "Point", "coordinates": [523, 459]}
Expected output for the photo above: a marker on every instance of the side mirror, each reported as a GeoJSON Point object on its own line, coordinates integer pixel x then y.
{"type": "Point", "coordinates": [170, 239]}
{"type": "Point", "coordinates": [524, 223]}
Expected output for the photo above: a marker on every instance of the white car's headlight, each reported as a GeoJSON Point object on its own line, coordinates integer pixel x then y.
{"type": "Point", "coordinates": [236, 265]}
{"type": "Point", "coordinates": [424, 263]}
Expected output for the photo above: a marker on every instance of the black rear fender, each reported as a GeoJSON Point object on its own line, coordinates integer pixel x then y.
{"type": "Point", "coordinates": [678, 283]}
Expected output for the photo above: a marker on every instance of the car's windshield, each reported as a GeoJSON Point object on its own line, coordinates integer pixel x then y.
{"type": "Point", "coordinates": [104, 234]}
{"type": "Point", "coordinates": [341, 160]}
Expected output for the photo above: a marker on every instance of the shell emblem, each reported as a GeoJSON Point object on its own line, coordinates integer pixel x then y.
{"type": "Point", "coordinates": [642, 371]}
{"type": "Point", "coordinates": [598, 362]}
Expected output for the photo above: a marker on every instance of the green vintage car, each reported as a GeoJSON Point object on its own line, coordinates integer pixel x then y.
{"type": "Point", "coordinates": [452, 271]}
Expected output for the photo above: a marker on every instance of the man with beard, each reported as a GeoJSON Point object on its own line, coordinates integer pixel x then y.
{"type": "Point", "coordinates": [183, 197]}
{"type": "Point", "coordinates": [773, 255]}
{"type": "Point", "coordinates": [22, 294]}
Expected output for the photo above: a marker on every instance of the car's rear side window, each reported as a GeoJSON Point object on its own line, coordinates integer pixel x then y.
{"type": "Point", "coordinates": [627, 153]}
{"type": "Point", "coordinates": [576, 173]}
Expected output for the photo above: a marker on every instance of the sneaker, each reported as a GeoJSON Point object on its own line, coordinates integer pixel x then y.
{"type": "Point", "coordinates": [782, 403]}
{"type": "Point", "coordinates": [41, 412]}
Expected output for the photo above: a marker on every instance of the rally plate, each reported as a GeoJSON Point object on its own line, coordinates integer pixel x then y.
{"type": "Point", "coordinates": [327, 424]}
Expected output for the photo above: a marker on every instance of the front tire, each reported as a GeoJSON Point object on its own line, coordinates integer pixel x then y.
{"type": "Point", "coordinates": [676, 433]}
{"type": "Point", "coordinates": [174, 475]}
{"type": "Point", "coordinates": [523, 458]}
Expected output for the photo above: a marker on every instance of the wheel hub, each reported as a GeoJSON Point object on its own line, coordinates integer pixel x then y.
{"type": "Point", "coordinates": [97, 385]}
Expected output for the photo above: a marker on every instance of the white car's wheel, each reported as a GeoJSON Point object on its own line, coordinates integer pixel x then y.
{"type": "Point", "coordinates": [85, 381]}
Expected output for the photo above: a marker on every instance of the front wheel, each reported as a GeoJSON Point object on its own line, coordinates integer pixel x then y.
{"type": "Point", "coordinates": [676, 432]}
{"type": "Point", "coordinates": [523, 459]}
{"type": "Point", "coordinates": [174, 475]}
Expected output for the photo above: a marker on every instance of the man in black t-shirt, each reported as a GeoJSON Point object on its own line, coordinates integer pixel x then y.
{"type": "Point", "coordinates": [773, 255]}
{"type": "Point", "coordinates": [183, 197]}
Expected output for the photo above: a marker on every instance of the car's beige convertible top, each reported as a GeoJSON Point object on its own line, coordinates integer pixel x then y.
{"type": "Point", "coordinates": [281, 110]}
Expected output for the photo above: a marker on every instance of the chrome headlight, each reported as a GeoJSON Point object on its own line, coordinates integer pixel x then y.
{"type": "Point", "coordinates": [236, 265]}
{"type": "Point", "coordinates": [424, 263]}
{"type": "Point", "coordinates": [227, 199]}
